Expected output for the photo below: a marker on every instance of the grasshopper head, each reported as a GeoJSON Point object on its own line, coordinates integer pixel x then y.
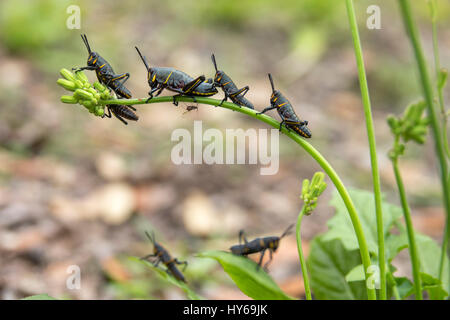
{"type": "Point", "coordinates": [218, 78]}
{"type": "Point", "coordinates": [92, 59]}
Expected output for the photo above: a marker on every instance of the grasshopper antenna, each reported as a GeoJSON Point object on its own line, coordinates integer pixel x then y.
{"type": "Point", "coordinates": [151, 237]}
{"type": "Point", "coordinates": [271, 82]}
{"type": "Point", "coordinates": [86, 43]}
{"type": "Point", "coordinates": [213, 58]}
{"type": "Point", "coordinates": [287, 231]}
{"type": "Point", "coordinates": [143, 59]}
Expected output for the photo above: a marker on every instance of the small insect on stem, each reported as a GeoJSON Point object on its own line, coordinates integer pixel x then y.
{"type": "Point", "coordinates": [160, 78]}
{"type": "Point", "coordinates": [162, 255]}
{"type": "Point", "coordinates": [221, 79]}
{"type": "Point", "coordinates": [259, 245]}
{"type": "Point", "coordinates": [190, 108]}
{"type": "Point", "coordinates": [105, 73]}
{"type": "Point", "coordinates": [286, 112]}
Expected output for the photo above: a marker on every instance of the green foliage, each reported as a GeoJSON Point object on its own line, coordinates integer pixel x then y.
{"type": "Point", "coordinates": [340, 226]}
{"type": "Point", "coordinates": [335, 267]}
{"type": "Point", "coordinates": [170, 279]}
{"type": "Point", "coordinates": [329, 262]}
{"type": "Point", "coordinates": [412, 125]}
{"type": "Point", "coordinates": [32, 26]}
{"type": "Point", "coordinates": [248, 276]}
{"type": "Point", "coordinates": [43, 296]}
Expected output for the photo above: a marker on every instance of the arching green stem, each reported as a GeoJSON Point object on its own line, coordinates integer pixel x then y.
{"type": "Point", "coordinates": [365, 257]}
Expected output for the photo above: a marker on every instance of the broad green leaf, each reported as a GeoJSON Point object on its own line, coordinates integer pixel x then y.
{"type": "Point", "coordinates": [170, 279]}
{"type": "Point", "coordinates": [394, 244]}
{"type": "Point", "coordinates": [39, 297]}
{"type": "Point", "coordinates": [433, 286]}
{"type": "Point", "coordinates": [356, 274]}
{"type": "Point", "coordinates": [341, 228]}
{"type": "Point", "coordinates": [429, 255]}
{"type": "Point", "coordinates": [404, 286]}
{"type": "Point", "coordinates": [329, 262]}
{"type": "Point", "coordinates": [250, 279]}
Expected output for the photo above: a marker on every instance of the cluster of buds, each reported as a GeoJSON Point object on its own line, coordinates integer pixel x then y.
{"type": "Point", "coordinates": [412, 125]}
{"type": "Point", "coordinates": [83, 92]}
{"type": "Point", "coordinates": [311, 191]}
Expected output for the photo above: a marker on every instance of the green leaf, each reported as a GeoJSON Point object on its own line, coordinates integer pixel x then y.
{"type": "Point", "coordinates": [429, 256]}
{"type": "Point", "coordinates": [250, 279]}
{"type": "Point", "coordinates": [356, 274]}
{"type": "Point", "coordinates": [433, 286]}
{"type": "Point", "coordinates": [340, 226]}
{"type": "Point", "coordinates": [404, 286]}
{"type": "Point", "coordinates": [170, 279]}
{"type": "Point", "coordinates": [330, 262]}
{"type": "Point", "coordinates": [39, 297]}
{"type": "Point", "coordinates": [394, 244]}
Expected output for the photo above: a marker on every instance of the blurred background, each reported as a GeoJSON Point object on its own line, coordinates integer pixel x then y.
{"type": "Point", "coordinates": [80, 190]}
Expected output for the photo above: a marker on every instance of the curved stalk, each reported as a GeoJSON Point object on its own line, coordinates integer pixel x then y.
{"type": "Point", "coordinates": [365, 257]}
{"type": "Point", "coordinates": [437, 65]}
{"type": "Point", "coordinates": [410, 231]}
{"type": "Point", "coordinates": [412, 31]}
{"type": "Point", "coordinates": [372, 145]}
{"type": "Point", "coordinates": [301, 256]}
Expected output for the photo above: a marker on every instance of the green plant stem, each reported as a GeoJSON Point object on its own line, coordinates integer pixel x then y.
{"type": "Point", "coordinates": [365, 257]}
{"type": "Point", "coordinates": [301, 256]}
{"type": "Point", "coordinates": [410, 231]}
{"type": "Point", "coordinates": [411, 29]}
{"type": "Point", "coordinates": [394, 286]}
{"type": "Point", "coordinates": [437, 65]}
{"type": "Point", "coordinates": [372, 145]}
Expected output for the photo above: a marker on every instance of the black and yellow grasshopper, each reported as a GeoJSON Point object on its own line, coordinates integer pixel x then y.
{"type": "Point", "coordinates": [160, 78]}
{"type": "Point", "coordinates": [162, 255]}
{"type": "Point", "coordinates": [258, 245]}
{"type": "Point", "coordinates": [121, 111]}
{"type": "Point", "coordinates": [221, 79]}
{"type": "Point", "coordinates": [105, 73]}
{"type": "Point", "coordinates": [286, 111]}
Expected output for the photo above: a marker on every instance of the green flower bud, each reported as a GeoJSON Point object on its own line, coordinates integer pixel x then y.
{"type": "Point", "coordinates": [67, 74]}
{"type": "Point", "coordinates": [87, 103]}
{"type": "Point", "coordinates": [392, 122]}
{"type": "Point", "coordinates": [305, 188]}
{"type": "Point", "coordinates": [81, 76]}
{"type": "Point", "coordinates": [84, 94]}
{"type": "Point", "coordinates": [92, 90]}
{"type": "Point", "coordinates": [67, 84]}
{"type": "Point", "coordinates": [69, 99]}
{"type": "Point", "coordinates": [99, 111]}
{"type": "Point", "coordinates": [79, 84]}
{"type": "Point", "coordinates": [99, 86]}
{"type": "Point", "coordinates": [312, 190]}
{"type": "Point", "coordinates": [442, 78]}
{"type": "Point", "coordinates": [105, 96]}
